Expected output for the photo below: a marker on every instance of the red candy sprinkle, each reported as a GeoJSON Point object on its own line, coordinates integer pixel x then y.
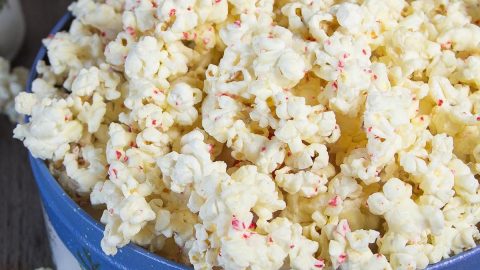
{"type": "Point", "coordinates": [319, 264]}
{"type": "Point", "coordinates": [440, 102]}
{"type": "Point", "coordinates": [342, 258]}
{"type": "Point", "coordinates": [292, 246]}
{"type": "Point", "coordinates": [364, 52]}
{"type": "Point", "coordinates": [334, 201]}
{"type": "Point", "coordinates": [345, 228]}
{"type": "Point", "coordinates": [335, 85]}
{"type": "Point", "coordinates": [115, 172]}
{"type": "Point", "coordinates": [172, 12]}
{"type": "Point", "coordinates": [235, 223]}
{"type": "Point", "coordinates": [119, 154]}
{"type": "Point", "coordinates": [130, 31]}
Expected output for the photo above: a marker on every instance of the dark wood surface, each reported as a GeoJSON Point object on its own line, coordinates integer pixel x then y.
{"type": "Point", "coordinates": [23, 242]}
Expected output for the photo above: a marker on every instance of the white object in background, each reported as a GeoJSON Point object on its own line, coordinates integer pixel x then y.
{"type": "Point", "coordinates": [62, 257]}
{"type": "Point", "coordinates": [12, 28]}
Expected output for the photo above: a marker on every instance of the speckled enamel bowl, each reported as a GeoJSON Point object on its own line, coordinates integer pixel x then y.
{"type": "Point", "coordinates": [75, 236]}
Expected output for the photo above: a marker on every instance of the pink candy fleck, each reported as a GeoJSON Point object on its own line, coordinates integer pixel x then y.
{"type": "Point", "coordinates": [237, 23]}
{"type": "Point", "coordinates": [119, 154]}
{"type": "Point", "coordinates": [334, 201]}
{"type": "Point", "coordinates": [446, 45]}
{"type": "Point", "coordinates": [319, 264]}
{"type": "Point", "coordinates": [236, 223]}
{"type": "Point", "coordinates": [342, 258]}
{"type": "Point", "coordinates": [269, 239]}
{"type": "Point", "coordinates": [344, 229]}
{"type": "Point", "coordinates": [364, 52]}
{"type": "Point", "coordinates": [335, 84]}
{"type": "Point", "coordinates": [130, 31]}
{"type": "Point", "coordinates": [115, 172]}
{"type": "Point", "coordinates": [172, 12]}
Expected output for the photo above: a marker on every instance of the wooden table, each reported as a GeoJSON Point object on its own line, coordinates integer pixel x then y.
{"type": "Point", "coordinates": [23, 242]}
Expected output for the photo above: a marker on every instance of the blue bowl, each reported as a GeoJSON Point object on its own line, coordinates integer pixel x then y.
{"type": "Point", "coordinates": [81, 234]}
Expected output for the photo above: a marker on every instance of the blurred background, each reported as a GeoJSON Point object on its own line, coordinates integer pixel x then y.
{"type": "Point", "coordinates": [23, 241]}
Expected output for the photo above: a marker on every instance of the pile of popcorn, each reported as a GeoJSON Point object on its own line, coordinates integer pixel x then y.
{"type": "Point", "coordinates": [12, 82]}
{"type": "Point", "coordinates": [262, 134]}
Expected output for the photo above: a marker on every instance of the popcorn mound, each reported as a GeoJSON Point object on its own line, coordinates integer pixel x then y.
{"type": "Point", "coordinates": [268, 134]}
{"type": "Point", "coordinates": [12, 82]}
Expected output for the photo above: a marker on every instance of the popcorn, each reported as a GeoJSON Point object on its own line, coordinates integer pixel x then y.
{"type": "Point", "coordinates": [11, 84]}
{"type": "Point", "coordinates": [182, 99]}
{"type": "Point", "coordinates": [51, 130]}
{"type": "Point", "coordinates": [94, 172]}
{"type": "Point", "coordinates": [267, 134]}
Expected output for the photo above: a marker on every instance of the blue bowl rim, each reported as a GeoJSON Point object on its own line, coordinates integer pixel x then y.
{"type": "Point", "coordinates": [454, 261]}
{"type": "Point", "coordinates": [54, 185]}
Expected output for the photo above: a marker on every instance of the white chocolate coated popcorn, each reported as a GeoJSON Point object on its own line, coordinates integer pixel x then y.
{"type": "Point", "coordinates": [300, 134]}
{"type": "Point", "coordinates": [12, 82]}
